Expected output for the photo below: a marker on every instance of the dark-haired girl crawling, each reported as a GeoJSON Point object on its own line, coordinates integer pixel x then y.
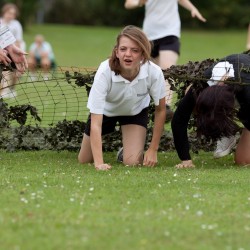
{"type": "Point", "coordinates": [214, 106]}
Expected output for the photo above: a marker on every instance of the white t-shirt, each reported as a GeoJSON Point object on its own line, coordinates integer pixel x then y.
{"type": "Point", "coordinates": [161, 19]}
{"type": "Point", "coordinates": [113, 95]}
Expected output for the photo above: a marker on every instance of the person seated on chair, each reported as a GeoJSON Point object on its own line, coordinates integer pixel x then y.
{"type": "Point", "coordinates": [41, 55]}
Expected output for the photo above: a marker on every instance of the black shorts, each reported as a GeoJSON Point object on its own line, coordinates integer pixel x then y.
{"type": "Point", "coordinates": [166, 43]}
{"type": "Point", "coordinates": [109, 123]}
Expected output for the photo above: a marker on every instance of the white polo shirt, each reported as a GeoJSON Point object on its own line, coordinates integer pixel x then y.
{"type": "Point", "coordinates": [113, 95]}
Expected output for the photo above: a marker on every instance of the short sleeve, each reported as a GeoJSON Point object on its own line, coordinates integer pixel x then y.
{"type": "Point", "coordinates": [99, 90]}
{"type": "Point", "coordinates": [158, 85]}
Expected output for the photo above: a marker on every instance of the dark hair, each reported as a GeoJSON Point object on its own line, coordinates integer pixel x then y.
{"type": "Point", "coordinates": [215, 113]}
{"type": "Point", "coordinates": [138, 36]}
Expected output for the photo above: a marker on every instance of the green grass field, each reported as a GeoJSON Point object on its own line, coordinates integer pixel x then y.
{"type": "Point", "coordinates": [49, 201]}
{"type": "Point", "coordinates": [87, 46]}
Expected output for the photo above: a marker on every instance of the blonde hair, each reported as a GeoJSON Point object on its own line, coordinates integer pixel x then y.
{"type": "Point", "coordinates": [137, 35]}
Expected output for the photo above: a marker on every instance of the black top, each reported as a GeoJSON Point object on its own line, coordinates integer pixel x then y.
{"type": "Point", "coordinates": [241, 65]}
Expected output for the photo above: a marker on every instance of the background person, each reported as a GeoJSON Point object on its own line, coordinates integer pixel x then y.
{"type": "Point", "coordinates": [121, 93]}
{"type": "Point", "coordinates": [162, 26]}
{"type": "Point", "coordinates": [41, 55]}
{"type": "Point", "coordinates": [8, 18]}
{"type": "Point", "coordinates": [214, 108]}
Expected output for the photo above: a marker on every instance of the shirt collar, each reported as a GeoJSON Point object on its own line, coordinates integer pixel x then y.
{"type": "Point", "coordinates": [143, 73]}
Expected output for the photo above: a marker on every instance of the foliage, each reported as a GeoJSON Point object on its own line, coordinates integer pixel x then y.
{"type": "Point", "coordinates": [219, 13]}
{"type": "Point", "coordinates": [4, 122]}
{"type": "Point", "coordinates": [18, 113]}
{"type": "Point", "coordinates": [67, 135]}
{"type": "Point", "coordinates": [181, 76]}
{"type": "Point", "coordinates": [98, 12]}
{"type": "Point", "coordinates": [81, 80]}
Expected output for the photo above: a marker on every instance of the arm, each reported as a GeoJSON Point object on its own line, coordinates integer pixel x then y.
{"type": "Point", "coordinates": [194, 11]}
{"type": "Point", "coordinates": [248, 37]}
{"type": "Point", "coordinates": [150, 157]}
{"type": "Point", "coordinates": [96, 142]}
{"type": "Point", "coordinates": [179, 126]}
{"type": "Point", "coordinates": [96, 104]}
{"type": "Point", "coordinates": [132, 4]}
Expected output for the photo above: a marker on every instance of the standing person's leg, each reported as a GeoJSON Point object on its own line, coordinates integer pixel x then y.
{"type": "Point", "coordinates": [15, 76]}
{"type": "Point", "coordinates": [46, 65]}
{"type": "Point", "coordinates": [166, 59]}
{"type": "Point", "coordinates": [5, 83]}
{"type": "Point", "coordinates": [33, 64]}
{"type": "Point", "coordinates": [248, 38]}
{"type": "Point", "coordinates": [242, 154]}
{"type": "Point", "coordinates": [133, 139]}
{"type": "Point", "coordinates": [8, 84]}
{"type": "Point", "coordinates": [169, 50]}
{"type": "Point", "coordinates": [165, 53]}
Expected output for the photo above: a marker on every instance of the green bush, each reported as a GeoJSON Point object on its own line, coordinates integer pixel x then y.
{"type": "Point", "coordinates": [219, 13]}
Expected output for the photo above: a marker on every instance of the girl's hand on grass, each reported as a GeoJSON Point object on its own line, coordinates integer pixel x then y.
{"type": "Point", "coordinates": [185, 164]}
{"type": "Point", "coordinates": [150, 158]}
{"type": "Point", "coordinates": [103, 166]}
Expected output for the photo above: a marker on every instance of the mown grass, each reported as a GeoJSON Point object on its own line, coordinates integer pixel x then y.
{"type": "Point", "coordinates": [49, 201]}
